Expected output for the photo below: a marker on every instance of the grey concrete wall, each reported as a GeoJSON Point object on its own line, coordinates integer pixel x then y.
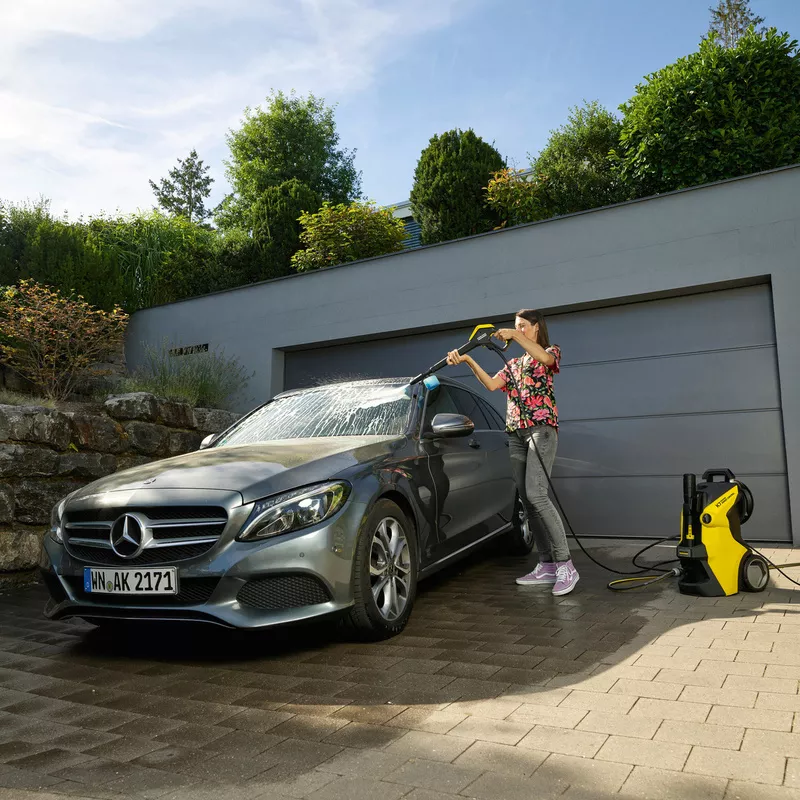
{"type": "Point", "coordinates": [726, 234]}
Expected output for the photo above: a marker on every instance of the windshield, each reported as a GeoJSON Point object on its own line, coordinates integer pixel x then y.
{"type": "Point", "coordinates": [337, 410]}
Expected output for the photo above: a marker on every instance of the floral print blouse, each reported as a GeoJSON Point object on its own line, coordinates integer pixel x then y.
{"type": "Point", "coordinates": [536, 382]}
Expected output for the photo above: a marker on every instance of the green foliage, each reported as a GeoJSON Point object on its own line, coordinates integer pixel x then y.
{"type": "Point", "coordinates": [161, 259]}
{"type": "Point", "coordinates": [292, 137]}
{"type": "Point", "coordinates": [205, 380]}
{"type": "Point", "coordinates": [718, 113]}
{"type": "Point", "coordinates": [574, 167]}
{"type": "Point", "coordinates": [35, 245]}
{"type": "Point", "coordinates": [572, 173]}
{"type": "Point", "coordinates": [516, 196]}
{"type": "Point", "coordinates": [186, 189]}
{"type": "Point", "coordinates": [447, 198]}
{"type": "Point", "coordinates": [731, 19]}
{"type": "Point", "coordinates": [276, 224]}
{"type": "Point", "coordinates": [340, 233]}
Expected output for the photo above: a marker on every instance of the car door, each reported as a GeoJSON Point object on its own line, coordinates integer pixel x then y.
{"type": "Point", "coordinates": [459, 471]}
{"type": "Point", "coordinates": [497, 488]}
{"type": "Point", "coordinates": [500, 462]}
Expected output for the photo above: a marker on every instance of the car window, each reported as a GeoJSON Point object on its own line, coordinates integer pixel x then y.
{"type": "Point", "coordinates": [496, 422]}
{"type": "Point", "coordinates": [467, 404]}
{"type": "Point", "coordinates": [439, 402]}
{"type": "Point", "coordinates": [346, 409]}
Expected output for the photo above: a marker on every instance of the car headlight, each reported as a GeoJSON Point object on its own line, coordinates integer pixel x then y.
{"type": "Point", "coordinates": [55, 519]}
{"type": "Point", "coordinates": [292, 511]}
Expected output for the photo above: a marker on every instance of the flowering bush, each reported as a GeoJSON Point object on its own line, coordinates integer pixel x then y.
{"type": "Point", "coordinates": [50, 339]}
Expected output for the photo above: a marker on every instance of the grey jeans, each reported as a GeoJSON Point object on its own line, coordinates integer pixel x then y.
{"type": "Point", "coordinates": [544, 519]}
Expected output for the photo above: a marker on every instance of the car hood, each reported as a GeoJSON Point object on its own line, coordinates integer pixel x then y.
{"type": "Point", "coordinates": [253, 470]}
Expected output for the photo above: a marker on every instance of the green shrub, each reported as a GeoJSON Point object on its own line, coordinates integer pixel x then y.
{"type": "Point", "coordinates": [50, 339]}
{"type": "Point", "coordinates": [36, 246]}
{"type": "Point", "coordinates": [347, 232]}
{"type": "Point", "coordinates": [718, 113]}
{"type": "Point", "coordinates": [205, 380]}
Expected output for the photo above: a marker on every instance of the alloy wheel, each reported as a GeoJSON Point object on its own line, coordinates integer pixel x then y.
{"type": "Point", "coordinates": [390, 569]}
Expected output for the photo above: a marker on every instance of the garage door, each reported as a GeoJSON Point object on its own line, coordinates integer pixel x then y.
{"type": "Point", "coordinates": [647, 391]}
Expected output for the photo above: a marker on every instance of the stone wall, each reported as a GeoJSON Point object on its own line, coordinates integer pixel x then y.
{"type": "Point", "coordinates": [47, 453]}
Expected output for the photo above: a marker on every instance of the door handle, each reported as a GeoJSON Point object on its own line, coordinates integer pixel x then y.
{"type": "Point", "coordinates": [474, 443]}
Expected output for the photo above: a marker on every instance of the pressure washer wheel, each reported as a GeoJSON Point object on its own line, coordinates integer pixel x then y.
{"type": "Point", "coordinates": [755, 573]}
{"type": "Point", "coordinates": [519, 540]}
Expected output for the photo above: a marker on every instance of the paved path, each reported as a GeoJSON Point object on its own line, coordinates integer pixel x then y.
{"type": "Point", "coordinates": [494, 691]}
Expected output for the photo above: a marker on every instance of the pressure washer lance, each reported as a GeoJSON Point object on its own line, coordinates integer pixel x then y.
{"type": "Point", "coordinates": [481, 336]}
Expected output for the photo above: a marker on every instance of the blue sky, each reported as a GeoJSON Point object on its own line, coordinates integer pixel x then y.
{"type": "Point", "coordinates": [97, 96]}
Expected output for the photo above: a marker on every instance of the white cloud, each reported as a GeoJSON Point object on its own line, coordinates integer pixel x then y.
{"type": "Point", "coordinates": [97, 96]}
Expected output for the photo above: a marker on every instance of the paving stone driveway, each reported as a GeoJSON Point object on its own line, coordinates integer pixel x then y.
{"type": "Point", "coordinates": [493, 691]}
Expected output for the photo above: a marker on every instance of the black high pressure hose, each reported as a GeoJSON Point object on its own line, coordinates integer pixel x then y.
{"type": "Point", "coordinates": [638, 582]}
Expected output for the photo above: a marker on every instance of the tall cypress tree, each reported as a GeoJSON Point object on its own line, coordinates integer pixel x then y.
{"type": "Point", "coordinates": [449, 194]}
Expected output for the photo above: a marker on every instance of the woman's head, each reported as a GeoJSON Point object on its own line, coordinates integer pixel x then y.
{"type": "Point", "coordinates": [531, 324]}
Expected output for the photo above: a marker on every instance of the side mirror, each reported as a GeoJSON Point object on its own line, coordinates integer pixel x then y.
{"type": "Point", "coordinates": [450, 425]}
{"type": "Point", "coordinates": [207, 441]}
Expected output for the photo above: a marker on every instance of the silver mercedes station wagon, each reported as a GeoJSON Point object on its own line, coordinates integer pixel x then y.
{"type": "Point", "coordinates": [331, 500]}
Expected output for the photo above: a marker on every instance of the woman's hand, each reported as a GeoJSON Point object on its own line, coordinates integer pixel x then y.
{"type": "Point", "coordinates": [454, 358]}
{"type": "Point", "coordinates": [506, 334]}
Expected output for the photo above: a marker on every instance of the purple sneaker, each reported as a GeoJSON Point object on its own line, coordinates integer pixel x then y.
{"type": "Point", "coordinates": [566, 578]}
{"type": "Point", "coordinates": [543, 574]}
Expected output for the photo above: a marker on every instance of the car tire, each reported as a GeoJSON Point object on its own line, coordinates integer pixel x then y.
{"type": "Point", "coordinates": [519, 540]}
{"type": "Point", "coordinates": [384, 586]}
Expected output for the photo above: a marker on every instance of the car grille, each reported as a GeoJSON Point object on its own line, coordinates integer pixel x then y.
{"type": "Point", "coordinates": [178, 533]}
{"type": "Point", "coordinates": [278, 592]}
{"type": "Point", "coordinates": [193, 591]}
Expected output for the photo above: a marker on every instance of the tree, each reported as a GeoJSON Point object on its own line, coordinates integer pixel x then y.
{"type": "Point", "coordinates": [718, 113]}
{"type": "Point", "coordinates": [447, 198]}
{"type": "Point", "coordinates": [184, 192]}
{"type": "Point", "coordinates": [292, 137]}
{"type": "Point", "coordinates": [731, 19]}
{"type": "Point", "coordinates": [276, 224]}
{"type": "Point", "coordinates": [574, 166]}
{"type": "Point", "coordinates": [345, 232]}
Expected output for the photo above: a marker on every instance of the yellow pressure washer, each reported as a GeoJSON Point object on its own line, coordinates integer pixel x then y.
{"type": "Point", "coordinates": [715, 560]}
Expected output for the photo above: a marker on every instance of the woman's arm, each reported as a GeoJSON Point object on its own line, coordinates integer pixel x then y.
{"type": "Point", "coordinates": [492, 384]}
{"type": "Point", "coordinates": [528, 345]}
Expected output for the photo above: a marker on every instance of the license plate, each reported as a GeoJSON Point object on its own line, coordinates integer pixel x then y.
{"type": "Point", "coordinates": [130, 581]}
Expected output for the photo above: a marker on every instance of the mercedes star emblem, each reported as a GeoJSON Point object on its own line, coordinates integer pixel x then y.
{"type": "Point", "coordinates": [129, 535]}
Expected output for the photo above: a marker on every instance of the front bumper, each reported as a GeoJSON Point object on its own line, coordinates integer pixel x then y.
{"type": "Point", "coordinates": [248, 585]}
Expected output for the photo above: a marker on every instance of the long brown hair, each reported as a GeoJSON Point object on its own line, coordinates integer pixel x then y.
{"type": "Point", "coordinates": [536, 318]}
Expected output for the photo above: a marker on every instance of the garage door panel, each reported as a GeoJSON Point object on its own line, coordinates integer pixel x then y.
{"type": "Point", "coordinates": [400, 356]}
{"type": "Point", "coordinates": [651, 507]}
{"type": "Point", "coordinates": [646, 391]}
{"type": "Point", "coordinates": [751, 442]}
{"type": "Point", "coordinates": [724, 381]}
{"type": "Point", "coordinates": [711, 321]}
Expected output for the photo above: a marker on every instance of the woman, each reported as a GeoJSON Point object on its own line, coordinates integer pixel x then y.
{"type": "Point", "coordinates": [532, 425]}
